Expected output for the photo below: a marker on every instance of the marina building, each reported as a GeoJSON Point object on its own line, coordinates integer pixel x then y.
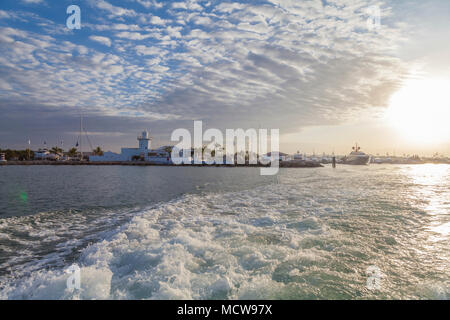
{"type": "Point", "coordinates": [143, 152]}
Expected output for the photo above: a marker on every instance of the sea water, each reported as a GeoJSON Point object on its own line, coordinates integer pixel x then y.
{"type": "Point", "coordinates": [225, 233]}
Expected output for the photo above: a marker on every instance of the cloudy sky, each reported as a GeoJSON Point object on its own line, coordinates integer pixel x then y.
{"type": "Point", "coordinates": [314, 69]}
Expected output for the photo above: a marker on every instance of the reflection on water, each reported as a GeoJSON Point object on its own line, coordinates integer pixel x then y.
{"type": "Point", "coordinates": [443, 229]}
{"type": "Point", "coordinates": [428, 174]}
{"type": "Point", "coordinates": [431, 185]}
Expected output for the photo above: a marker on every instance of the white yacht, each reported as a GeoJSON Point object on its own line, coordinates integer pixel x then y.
{"type": "Point", "coordinates": [357, 157]}
{"type": "Point", "coordinates": [45, 154]}
{"type": "Point", "coordinates": [298, 156]}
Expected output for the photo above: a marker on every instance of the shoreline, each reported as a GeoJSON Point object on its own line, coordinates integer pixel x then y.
{"type": "Point", "coordinates": [286, 164]}
{"type": "Point", "coordinates": [303, 164]}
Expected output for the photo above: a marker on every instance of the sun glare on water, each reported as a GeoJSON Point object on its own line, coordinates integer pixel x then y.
{"type": "Point", "coordinates": [421, 111]}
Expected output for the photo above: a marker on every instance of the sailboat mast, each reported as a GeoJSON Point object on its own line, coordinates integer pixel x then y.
{"type": "Point", "coordinates": [81, 137]}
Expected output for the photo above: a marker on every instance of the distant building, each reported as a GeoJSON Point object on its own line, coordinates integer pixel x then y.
{"type": "Point", "coordinates": [2, 157]}
{"type": "Point", "coordinates": [161, 155]}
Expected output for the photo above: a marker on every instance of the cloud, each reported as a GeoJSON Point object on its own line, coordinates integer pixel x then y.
{"type": "Point", "coordinates": [132, 35]}
{"type": "Point", "coordinates": [179, 5]}
{"type": "Point", "coordinates": [4, 15]}
{"type": "Point", "coordinates": [103, 40]}
{"type": "Point", "coordinates": [149, 4]}
{"type": "Point", "coordinates": [148, 51]}
{"type": "Point", "coordinates": [32, 1]}
{"type": "Point", "coordinates": [157, 20]}
{"type": "Point", "coordinates": [113, 10]}
{"type": "Point", "coordinates": [229, 7]}
{"type": "Point", "coordinates": [202, 21]}
{"type": "Point", "coordinates": [285, 64]}
{"type": "Point", "coordinates": [187, 5]}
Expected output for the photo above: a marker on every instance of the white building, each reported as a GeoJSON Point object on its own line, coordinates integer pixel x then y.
{"type": "Point", "coordinates": [161, 155]}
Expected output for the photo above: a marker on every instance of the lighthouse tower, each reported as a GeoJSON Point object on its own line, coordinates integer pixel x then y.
{"type": "Point", "coordinates": [144, 141]}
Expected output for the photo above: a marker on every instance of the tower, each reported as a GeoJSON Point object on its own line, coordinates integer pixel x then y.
{"type": "Point", "coordinates": [144, 140]}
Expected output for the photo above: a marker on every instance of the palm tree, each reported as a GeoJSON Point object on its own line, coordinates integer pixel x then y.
{"type": "Point", "coordinates": [28, 153]}
{"type": "Point", "coordinates": [98, 151]}
{"type": "Point", "coordinates": [56, 150]}
{"type": "Point", "coordinates": [72, 152]}
{"type": "Point", "coordinates": [168, 149]}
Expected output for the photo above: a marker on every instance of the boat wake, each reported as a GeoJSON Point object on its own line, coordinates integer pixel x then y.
{"type": "Point", "coordinates": [278, 241]}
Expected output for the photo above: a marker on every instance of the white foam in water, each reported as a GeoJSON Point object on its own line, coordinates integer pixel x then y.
{"type": "Point", "coordinates": [196, 247]}
{"type": "Point", "coordinates": [278, 241]}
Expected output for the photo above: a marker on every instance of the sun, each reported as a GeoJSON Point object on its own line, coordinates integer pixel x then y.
{"type": "Point", "coordinates": [421, 111]}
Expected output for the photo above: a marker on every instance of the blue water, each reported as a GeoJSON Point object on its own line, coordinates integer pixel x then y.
{"type": "Point", "coordinates": [225, 233]}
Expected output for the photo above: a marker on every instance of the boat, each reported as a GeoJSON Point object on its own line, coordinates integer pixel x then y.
{"type": "Point", "coordinates": [45, 154]}
{"type": "Point", "coordinates": [356, 157]}
{"type": "Point", "coordinates": [298, 156]}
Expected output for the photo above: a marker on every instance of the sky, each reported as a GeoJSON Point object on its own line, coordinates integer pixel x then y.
{"type": "Point", "coordinates": [314, 69]}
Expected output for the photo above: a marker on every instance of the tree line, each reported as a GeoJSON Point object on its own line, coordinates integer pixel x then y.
{"type": "Point", "coordinates": [18, 154]}
{"type": "Point", "coordinates": [28, 154]}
